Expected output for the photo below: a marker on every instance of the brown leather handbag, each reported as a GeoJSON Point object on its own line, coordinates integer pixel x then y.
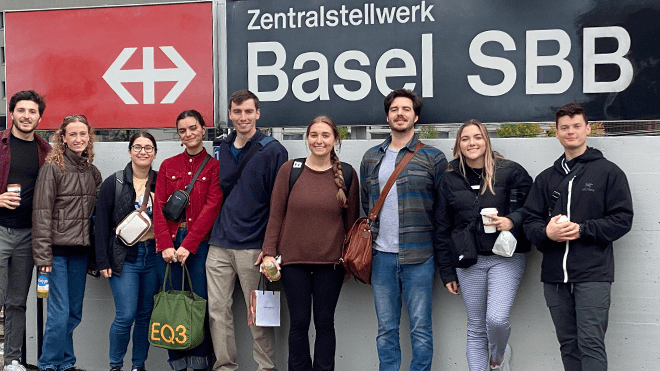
{"type": "Point", "coordinates": [356, 255]}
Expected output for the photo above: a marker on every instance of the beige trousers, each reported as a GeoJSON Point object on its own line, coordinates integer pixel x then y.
{"type": "Point", "coordinates": [222, 267]}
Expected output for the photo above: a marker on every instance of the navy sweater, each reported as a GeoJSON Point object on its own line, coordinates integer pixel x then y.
{"type": "Point", "coordinates": [242, 221]}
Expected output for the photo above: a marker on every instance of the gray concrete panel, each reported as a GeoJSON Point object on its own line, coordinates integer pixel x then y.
{"type": "Point", "coordinates": [634, 320]}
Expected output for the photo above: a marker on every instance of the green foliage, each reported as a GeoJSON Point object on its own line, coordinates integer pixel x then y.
{"type": "Point", "coordinates": [428, 132]}
{"type": "Point", "coordinates": [519, 130]}
{"type": "Point", "coordinates": [343, 132]}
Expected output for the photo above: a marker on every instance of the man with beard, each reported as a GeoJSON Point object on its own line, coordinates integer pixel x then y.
{"type": "Point", "coordinates": [403, 233]}
{"type": "Point", "coordinates": [22, 153]}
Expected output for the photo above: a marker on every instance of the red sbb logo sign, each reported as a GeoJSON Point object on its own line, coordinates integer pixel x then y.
{"type": "Point", "coordinates": [122, 67]}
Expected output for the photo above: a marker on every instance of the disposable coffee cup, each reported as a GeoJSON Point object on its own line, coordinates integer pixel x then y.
{"type": "Point", "coordinates": [485, 219]}
{"type": "Point", "coordinates": [16, 188]}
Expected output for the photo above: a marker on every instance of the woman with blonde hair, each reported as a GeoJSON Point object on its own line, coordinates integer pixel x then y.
{"type": "Point", "coordinates": [479, 178]}
{"type": "Point", "coordinates": [307, 226]}
{"type": "Point", "coordinates": [64, 198]}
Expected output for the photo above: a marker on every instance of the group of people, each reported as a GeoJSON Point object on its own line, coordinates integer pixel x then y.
{"type": "Point", "coordinates": [252, 206]}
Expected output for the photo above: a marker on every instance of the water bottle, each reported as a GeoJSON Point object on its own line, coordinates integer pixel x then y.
{"type": "Point", "coordinates": [271, 271]}
{"type": "Point", "coordinates": [42, 285]}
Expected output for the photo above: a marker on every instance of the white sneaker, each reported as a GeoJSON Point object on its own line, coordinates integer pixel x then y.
{"type": "Point", "coordinates": [506, 361]}
{"type": "Point", "coordinates": [15, 366]}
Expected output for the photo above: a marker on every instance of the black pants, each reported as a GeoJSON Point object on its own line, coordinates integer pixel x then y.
{"type": "Point", "coordinates": [580, 313]}
{"type": "Point", "coordinates": [308, 286]}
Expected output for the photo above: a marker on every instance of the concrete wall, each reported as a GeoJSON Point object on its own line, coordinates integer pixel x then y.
{"type": "Point", "coordinates": [634, 330]}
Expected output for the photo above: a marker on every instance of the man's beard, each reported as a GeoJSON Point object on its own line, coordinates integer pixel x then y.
{"type": "Point", "coordinates": [19, 128]}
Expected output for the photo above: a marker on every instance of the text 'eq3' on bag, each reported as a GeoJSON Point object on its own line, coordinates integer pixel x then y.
{"type": "Point", "coordinates": [177, 321]}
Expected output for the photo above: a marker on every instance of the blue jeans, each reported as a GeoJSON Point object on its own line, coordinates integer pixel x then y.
{"type": "Point", "coordinates": [65, 301]}
{"type": "Point", "coordinates": [201, 356]}
{"type": "Point", "coordinates": [389, 280]}
{"type": "Point", "coordinates": [134, 292]}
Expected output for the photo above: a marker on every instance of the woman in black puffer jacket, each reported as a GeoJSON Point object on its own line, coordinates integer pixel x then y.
{"type": "Point", "coordinates": [480, 178]}
{"type": "Point", "coordinates": [131, 270]}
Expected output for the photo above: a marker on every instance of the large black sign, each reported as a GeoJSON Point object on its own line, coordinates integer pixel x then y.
{"type": "Point", "coordinates": [495, 60]}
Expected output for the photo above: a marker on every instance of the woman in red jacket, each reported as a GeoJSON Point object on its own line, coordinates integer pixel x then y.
{"type": "Point", "coordinates": [307, 228]}
{"type": "Point", "coordinates": [186, 241]}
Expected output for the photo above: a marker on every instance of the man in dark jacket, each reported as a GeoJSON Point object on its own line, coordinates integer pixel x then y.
{"type": "Point", "coordinates": [249, 162]}
{"type": "Point", "coordinates": [578, 208]}
{"type": "Point", "coordinates": [22, 153]}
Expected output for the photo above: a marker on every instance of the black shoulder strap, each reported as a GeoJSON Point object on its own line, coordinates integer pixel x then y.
{"type": "Point", "coordinates": [189, 187]}
{"type": "Point", "coordinates": [119, 184]}
{"type": "Point", "coordinates": [347, 169]}
{"type": "Point", "coordinates": [564, 182]}
{"type": "Point", "coordinates": [227, 184]}
{"type": "Point", "coordinates": [296, 170]}
{"type": "Point", "coordinates": [299, 164]}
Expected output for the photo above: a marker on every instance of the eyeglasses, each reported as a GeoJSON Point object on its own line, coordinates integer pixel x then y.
{"type": "Point", "coordinates": [137, 148]}
{"type": "Point", "coordinates": [75, 116]}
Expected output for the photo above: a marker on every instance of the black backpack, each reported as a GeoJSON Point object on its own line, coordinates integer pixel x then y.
{"type": "Point", "coordinates": [299, 163]}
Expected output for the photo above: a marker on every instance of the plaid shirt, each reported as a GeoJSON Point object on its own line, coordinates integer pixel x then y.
{"type": "Point", "coordinates": [417, 187]}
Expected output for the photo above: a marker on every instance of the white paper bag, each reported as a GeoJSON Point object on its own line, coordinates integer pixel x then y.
{"type": "Point", "coordinates": [505, 245]}
{"type": "Point", "coordinates": [264, 308]}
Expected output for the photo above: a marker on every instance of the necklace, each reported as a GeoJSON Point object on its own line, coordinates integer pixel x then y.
{"type": "Point", "coordinates": [479, 174]}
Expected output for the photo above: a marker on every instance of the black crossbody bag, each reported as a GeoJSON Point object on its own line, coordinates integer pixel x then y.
{"type": "Point", "coordinates": [178, 200]}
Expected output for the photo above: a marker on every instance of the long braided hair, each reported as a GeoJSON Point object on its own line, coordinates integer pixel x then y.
{"type": "Point", "coordinates": [334, 159]}
{"type": "Point", "coordinates": [490, 156]}
{"type": "Point", "coordinates": [56, 155]}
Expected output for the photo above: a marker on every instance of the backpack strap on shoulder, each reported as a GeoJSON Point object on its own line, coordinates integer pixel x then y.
{"type": "Point", "coordinates": [296, 170]}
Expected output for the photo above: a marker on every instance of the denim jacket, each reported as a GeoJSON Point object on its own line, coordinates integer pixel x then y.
{"type": "Point", "coordinates": [417, 187]}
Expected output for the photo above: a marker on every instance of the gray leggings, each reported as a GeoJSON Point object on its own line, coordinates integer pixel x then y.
{"type": "Point", "coordinates": [489, 288]}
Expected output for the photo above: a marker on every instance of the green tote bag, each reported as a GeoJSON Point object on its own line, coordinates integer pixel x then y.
{"type": "Point", "coordinates": [177, 321]}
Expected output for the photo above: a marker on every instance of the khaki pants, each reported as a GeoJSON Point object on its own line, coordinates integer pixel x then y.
{"type": "Point", "coordinates": [222, 267]}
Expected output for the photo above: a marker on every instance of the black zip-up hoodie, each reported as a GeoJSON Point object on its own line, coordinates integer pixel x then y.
{"type": "Point", "coordinates": [598, 199]}
{"type": "Point", "coordinates": [459, 204]}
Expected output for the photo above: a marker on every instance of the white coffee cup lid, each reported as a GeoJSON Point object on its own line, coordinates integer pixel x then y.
{"type": "Point", "coordinates": [489, 211]}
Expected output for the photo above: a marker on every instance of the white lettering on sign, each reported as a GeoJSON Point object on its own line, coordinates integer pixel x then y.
{"type": "Point", "coordinates": [370, 14]}
{"type": "Point", "coordinates": [590, 60]}
{"type": "Point", "coordinates": [320, 75]}
{"type": "Point", "coordinates": [559, 60]}
{"type": "Point", "coordinates": [149, 75]}
{"type": "Point", "coordinates": [496, 63]}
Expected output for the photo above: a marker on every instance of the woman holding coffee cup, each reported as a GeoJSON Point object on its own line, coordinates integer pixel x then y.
{"type": "Point", "coordinates": [483, 189]}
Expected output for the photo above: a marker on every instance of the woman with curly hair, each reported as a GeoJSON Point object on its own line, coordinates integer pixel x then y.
{"type": "Point", "coordinates": [64, 198]}
{"type": "Point", "coordinates": [307, 227]}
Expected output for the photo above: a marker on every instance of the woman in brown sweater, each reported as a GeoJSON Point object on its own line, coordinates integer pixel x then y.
{"type": "Point", "coordinates": [307, 228]}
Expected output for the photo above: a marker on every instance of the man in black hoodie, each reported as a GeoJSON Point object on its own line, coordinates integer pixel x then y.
{"type": "Point", "coordinates": [578, 207]}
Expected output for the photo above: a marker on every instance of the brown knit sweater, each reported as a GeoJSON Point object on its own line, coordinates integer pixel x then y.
{"type": "Point", "coordinates": [311, 226]}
